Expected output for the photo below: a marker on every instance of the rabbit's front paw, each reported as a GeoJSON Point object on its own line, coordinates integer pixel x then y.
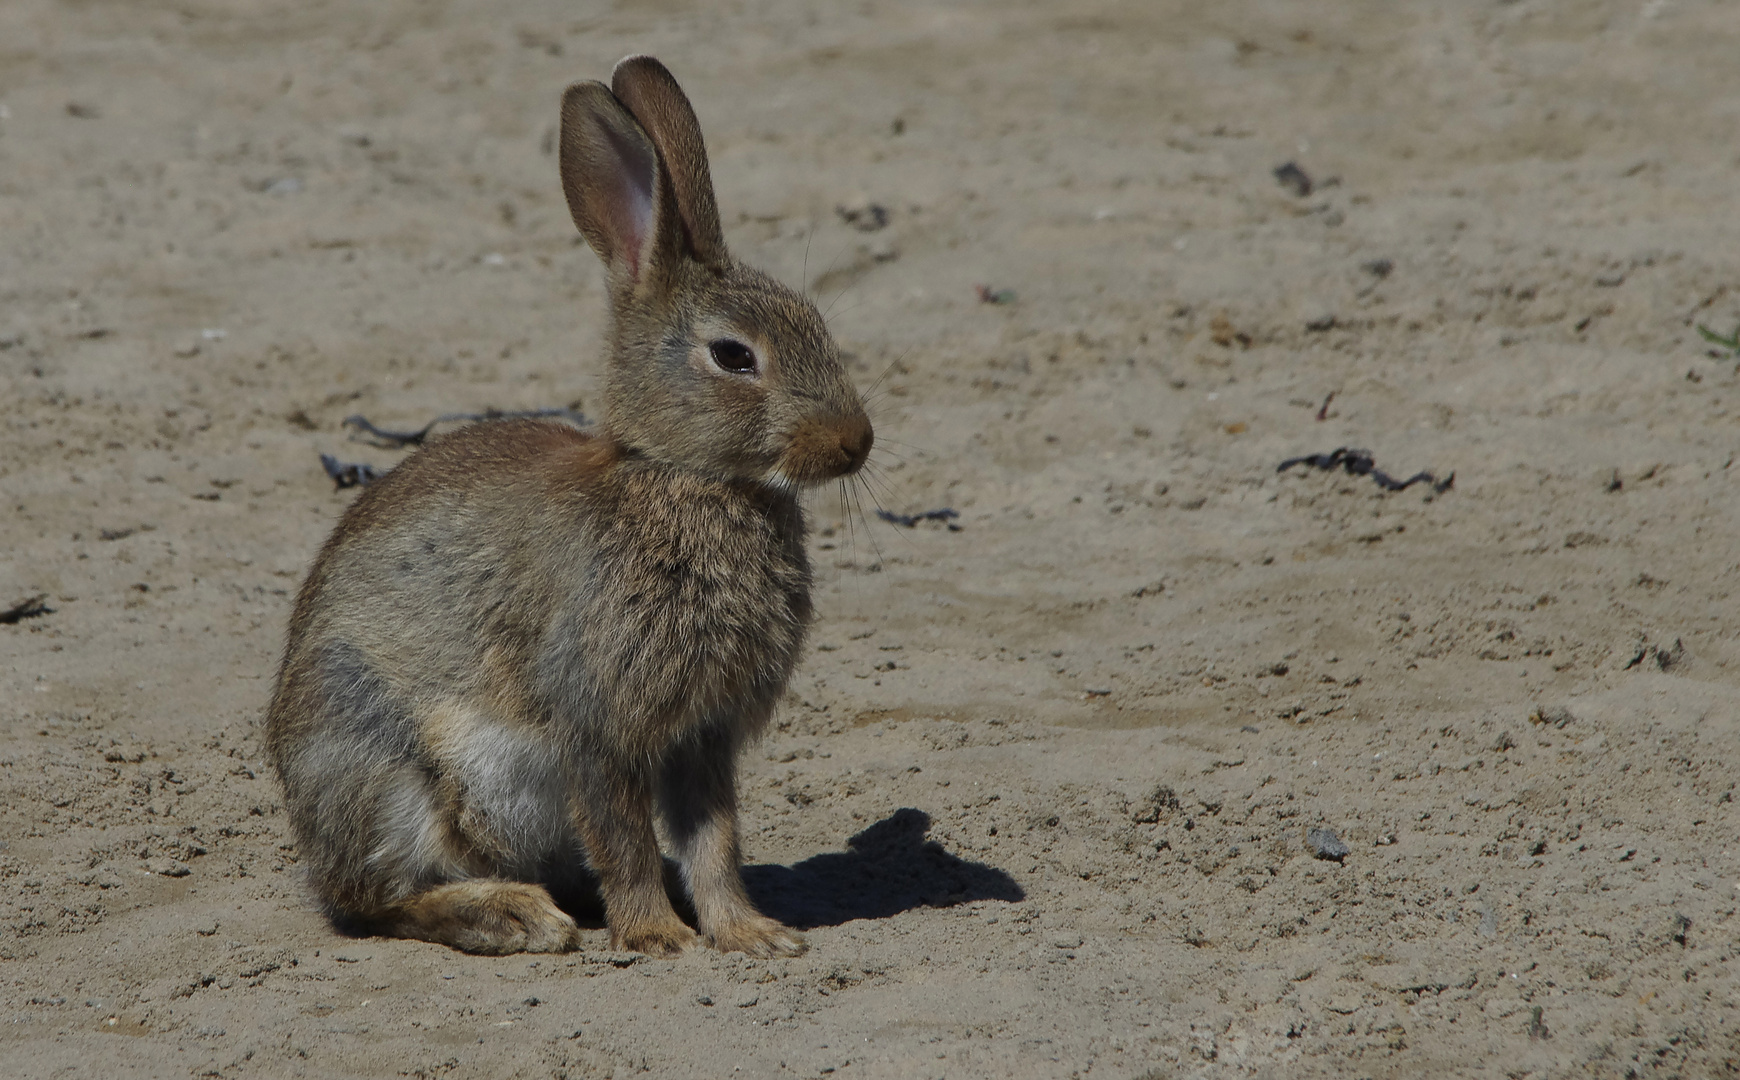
{"type": "Point", "coordinates": [758, 936]}
{"type": "Point", "coordinates": [662, 938]}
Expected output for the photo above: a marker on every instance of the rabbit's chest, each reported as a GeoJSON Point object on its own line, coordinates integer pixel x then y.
{"type": "Point", "coordinates": [727, 592]}
{"type": "Point", "coordinates": [696, 610]}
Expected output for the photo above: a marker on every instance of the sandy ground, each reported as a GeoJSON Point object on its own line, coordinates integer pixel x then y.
{"type": "Point", "coordinates": [1042, 788]}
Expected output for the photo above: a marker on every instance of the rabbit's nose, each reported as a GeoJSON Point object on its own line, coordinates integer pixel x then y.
{"type": "Point", "coordinates": [856, 439]}
{"type": "Point", "coordinates": [827, 449]}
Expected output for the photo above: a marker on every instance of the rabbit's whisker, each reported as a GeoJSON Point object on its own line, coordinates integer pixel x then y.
{"type": "Point", "coordinates": [868, 532]}
{"type": "Point", "coordinates": [808, 237]}
{"type": "Point", "coordinates": [823, 276]}
{"type": "Point", "coordinates": [882, 440]}
{"type": "Point", "coordinates": [892, 364]}
{"type": "Point", "coordinates": [843, 312]}
{"type": "Point", "coordinates": [895, 454]}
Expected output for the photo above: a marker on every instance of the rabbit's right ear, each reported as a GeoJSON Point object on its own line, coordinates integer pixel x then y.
{"type": "Point", "coordinates": [651, 93]}
{"type": "Point", "coordinates": [610, 173]}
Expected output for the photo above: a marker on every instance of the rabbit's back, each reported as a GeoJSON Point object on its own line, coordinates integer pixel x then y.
{"type": "Point", "coordinates": [528, 564]}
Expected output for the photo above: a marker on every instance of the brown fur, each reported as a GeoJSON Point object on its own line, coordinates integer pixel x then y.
{"type": "Point", "coordinates": [527, 647]}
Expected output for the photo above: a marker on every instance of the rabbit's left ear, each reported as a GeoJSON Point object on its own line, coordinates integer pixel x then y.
{"type": "Point", "coordinates": [610, 174]}
{"type": "Point", "coordinates": [648, 90]}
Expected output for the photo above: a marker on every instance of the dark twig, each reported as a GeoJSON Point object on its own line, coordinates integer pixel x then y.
{"type": "Point", "coordinates": [909, 520]}
{"type": "Point", "coordinates": [393, 440]}
{"type": "Point", "coordinates": [349, 473]}
{"type": "Point", "coordinates": [28, 608]}
{"type": "Point", "coordinates": [1323, 412]}
{"type": "Point", "coordinates": [1731, 342]}
{"type": "Point", "coordinates": [1359, 463]}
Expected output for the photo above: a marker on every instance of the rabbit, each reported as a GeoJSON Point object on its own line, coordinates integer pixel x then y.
{"type": "Point", "coordinates": [528, 646]}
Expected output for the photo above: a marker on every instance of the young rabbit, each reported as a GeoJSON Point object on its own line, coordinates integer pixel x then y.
{"type": "Point", "coordinates": [526, 640]}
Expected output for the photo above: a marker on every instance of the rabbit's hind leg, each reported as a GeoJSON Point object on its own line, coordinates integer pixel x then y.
{"type": "Point", "coordinates": [698, 799]}
{"type": "Point", "coordinates": [380, 822]}
{"type": "Point", "coordinates": [484, 915]}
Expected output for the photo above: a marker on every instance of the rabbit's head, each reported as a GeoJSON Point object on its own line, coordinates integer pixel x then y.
{"type": "Point", "coordinates": [714, 366]}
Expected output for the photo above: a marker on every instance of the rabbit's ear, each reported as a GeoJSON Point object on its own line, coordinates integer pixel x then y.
{"type": "Point", "coordinates": [610, 173]}
{"type": "Point", "coordinates": [650, 92]}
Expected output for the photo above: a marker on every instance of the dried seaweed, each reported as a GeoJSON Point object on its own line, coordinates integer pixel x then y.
{"type": "Point", "coordinates": [28, 608]}
{"type": "Point", "coordinates": [347, 474]}
{"type": "Point", "coordinates": [394, 440]}
{"type": "Point", "coordinates": [1360, 463]}
{"type": "Point", "coordinates": [910, 520]}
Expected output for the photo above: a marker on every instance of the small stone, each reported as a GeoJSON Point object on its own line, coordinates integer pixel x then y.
{"type": "Point", "coordinates": [1537, 1027]}
{"type": "Point", "coordinates": [1326, 845]}
{"type": "Point", "coordinates": [1068, 939]}
{"type": "Point", "coordinates": [1290, 176]}
{"type": "Point", "coordinates": [1669, 658]}
{"type": "Point", "coordinates": [1557, 715]}
{"type": "Point", "coordinates": [862, 214]}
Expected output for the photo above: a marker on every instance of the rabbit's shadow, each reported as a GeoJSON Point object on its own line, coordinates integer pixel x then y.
{"type": "Point", "coordinates": [888, 868]}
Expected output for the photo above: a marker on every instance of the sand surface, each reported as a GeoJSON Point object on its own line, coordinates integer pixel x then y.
{"type": "Point", "coordinates": [1042, 789]}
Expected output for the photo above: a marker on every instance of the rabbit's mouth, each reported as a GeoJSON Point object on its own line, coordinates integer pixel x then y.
{"type": "Point", "coordinates": [821, 451]}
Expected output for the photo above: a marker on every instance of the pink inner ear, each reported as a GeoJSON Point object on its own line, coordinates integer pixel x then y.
{"type": "Point", "coordinates": [639, 206]}
{"type": "Point", "coordinates": [631, 212]}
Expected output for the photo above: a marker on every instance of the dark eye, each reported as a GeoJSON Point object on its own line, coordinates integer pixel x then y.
{"type": "Point", "coordinates": [733, 356]}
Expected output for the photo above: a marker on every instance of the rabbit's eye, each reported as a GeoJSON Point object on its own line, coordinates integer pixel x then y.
{"type": "Point", "coordinates": [733, 356]}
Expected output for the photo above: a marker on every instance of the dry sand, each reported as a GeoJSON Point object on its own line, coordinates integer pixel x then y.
{"type": "Point", "coordinates": [1042, 788]}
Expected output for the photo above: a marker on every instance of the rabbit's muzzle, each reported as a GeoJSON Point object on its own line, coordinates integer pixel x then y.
{"type": "Point", "coordinates": [823, 450]}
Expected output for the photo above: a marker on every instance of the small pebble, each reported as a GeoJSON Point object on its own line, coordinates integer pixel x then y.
{"type": "Point", "coordinates": [1326, 845]}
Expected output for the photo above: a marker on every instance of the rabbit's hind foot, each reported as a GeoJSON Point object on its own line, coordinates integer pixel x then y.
{"type": "Point", "coordinates": [758, 936]}
{"type": "Point", "coordinates": [488, 916]}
